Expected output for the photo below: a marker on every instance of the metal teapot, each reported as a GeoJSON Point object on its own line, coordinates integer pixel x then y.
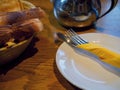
{"type": "Point", "coordinates": [79, 13]}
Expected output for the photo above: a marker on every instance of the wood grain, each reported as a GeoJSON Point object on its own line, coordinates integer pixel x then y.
{"type": "Point", "coordinates": [36, 69]}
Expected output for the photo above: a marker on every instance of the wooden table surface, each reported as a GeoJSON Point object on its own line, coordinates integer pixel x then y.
{"type": "Point", "coordinates": [36, 68]}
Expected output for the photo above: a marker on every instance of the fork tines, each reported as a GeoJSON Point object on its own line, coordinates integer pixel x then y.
{"type": "Point", "coordinates": [74, 37]}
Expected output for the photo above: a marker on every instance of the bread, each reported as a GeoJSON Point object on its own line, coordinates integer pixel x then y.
{"type": "Point", "coordinates": [15, 39]}
{"type": "Point", "coordinates": [10, 5]}
{"type": "Point", "coordinates": [19, 16]}
{"type": "Point", "coordinates": [17, 26]}
{"type": "Point", "coordinates": [26, 30]}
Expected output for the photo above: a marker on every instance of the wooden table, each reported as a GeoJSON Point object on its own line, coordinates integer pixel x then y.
{"type": "Point", "coordinates": [36, 68]}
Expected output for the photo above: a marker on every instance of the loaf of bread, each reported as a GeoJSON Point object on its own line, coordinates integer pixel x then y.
{"type": "Point", "coordinates": [19, 25]}
{"type": "Point", "coordinates": [19, 16]}
{"type": "Point", "coordinates": [20, 32]}
{"type": "Point", "coordinates": [19, 21]}
{"type": "Point", "coordinates": [25, 30]}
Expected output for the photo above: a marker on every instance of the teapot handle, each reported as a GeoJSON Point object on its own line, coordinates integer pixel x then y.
{"type": "Point", "coordinates": [113, 4]}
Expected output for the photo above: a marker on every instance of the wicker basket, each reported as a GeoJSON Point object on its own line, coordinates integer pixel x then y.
{"type": "Point", "coordinates": [11, 53]}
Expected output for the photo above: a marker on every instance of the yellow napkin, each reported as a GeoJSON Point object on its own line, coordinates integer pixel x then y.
{"type": "Point", "coordinates": [104, 54]}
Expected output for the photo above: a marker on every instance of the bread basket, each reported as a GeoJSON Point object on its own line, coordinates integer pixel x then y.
{"type": "Point", "coordinates": [11, 53]}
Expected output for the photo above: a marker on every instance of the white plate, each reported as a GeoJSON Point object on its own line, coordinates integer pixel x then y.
{"type": "Point", "coordinates": [84, 72]}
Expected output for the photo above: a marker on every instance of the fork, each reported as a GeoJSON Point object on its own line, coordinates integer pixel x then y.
{"type": "Point", "coordinates": [74, 37]}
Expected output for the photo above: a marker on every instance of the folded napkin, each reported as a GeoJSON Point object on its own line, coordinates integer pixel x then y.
{"type": "Point", "coordinates": [103, 53]}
